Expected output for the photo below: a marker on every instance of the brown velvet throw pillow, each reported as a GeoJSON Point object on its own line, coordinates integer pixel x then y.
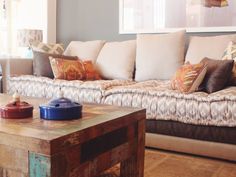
{"type": "Point", "coordinates": [218, 74]}
{"type": "Point", "coordinates": [41, 63]}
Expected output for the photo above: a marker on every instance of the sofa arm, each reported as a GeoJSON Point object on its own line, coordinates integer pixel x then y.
{"type": "Point", "coordinates": [15, 67]}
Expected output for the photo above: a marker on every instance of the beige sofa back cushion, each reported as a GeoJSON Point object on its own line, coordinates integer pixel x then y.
{"type": "Point", "coordinates": [116, 60]}
{"type": "Point", "coordinates": [210, 47]}
{"type": "Point", "coordinates": [159, 55]}
{"type": "Point", "coordinates": [85, 50]}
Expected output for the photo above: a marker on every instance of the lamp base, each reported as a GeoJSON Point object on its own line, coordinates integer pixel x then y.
{"type": "Point", "coordinates": [25, 52]}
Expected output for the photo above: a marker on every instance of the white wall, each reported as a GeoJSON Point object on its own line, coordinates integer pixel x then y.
{"type": "Point", "coordinates": [30, 14]}
{"type": "Point", "coordinates": [88, 20]}
{"type": "Point", "coordinates": [38, 14]}
{"type": "Point", "coordinates": [51, 21]}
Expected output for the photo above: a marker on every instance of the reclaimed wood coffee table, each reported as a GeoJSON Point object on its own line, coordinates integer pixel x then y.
{"type": "Point", "coordinates": [105, 136]}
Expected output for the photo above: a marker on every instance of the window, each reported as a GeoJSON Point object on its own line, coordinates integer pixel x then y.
{"type": "Point", "coordinates": [4, 27]}
{"type": "Point", "coordinates": [155, 16]}
{"type": "Point", "coordinates": [25, 14]}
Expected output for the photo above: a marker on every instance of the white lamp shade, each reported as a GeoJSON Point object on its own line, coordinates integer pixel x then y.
{"type": "Point", "coordinates": [27, 36]}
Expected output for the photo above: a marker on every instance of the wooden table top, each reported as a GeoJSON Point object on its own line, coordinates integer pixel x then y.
{"type": "Point", "coordinates": [37, 128]}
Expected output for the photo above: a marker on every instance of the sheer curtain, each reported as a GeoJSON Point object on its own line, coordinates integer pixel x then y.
{"type": "Point", "coordinates": [8, 15]}
{"type": "Point", "coordinates": [4, 28]}
{"type": "Point", "coordinates": [24, 14]}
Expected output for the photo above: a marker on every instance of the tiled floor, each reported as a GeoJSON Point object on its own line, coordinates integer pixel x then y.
{"type": "Point", "coordinates": [168, 164]}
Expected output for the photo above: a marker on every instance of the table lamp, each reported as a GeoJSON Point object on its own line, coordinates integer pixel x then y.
{"type": "Point", "coordinates": [25, 37]}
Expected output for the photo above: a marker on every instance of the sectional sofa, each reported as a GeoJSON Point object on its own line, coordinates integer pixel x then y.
{"type": "Point", "coordinates": [196, 123]}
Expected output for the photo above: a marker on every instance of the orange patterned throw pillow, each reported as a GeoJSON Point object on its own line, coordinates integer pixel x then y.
{"type": "Point", "coordinates": [73, 69]}
{"type": "Point", "coordinates": [189, 77]}
{"type": "Point", "coordinates": [90, 72]}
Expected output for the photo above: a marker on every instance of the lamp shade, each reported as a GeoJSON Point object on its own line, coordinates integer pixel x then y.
{"type": "Point", "coordinates": [26, 36]}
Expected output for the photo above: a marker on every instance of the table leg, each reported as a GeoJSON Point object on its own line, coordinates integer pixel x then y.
{"type": "Point", "coordinates": [134, 166]}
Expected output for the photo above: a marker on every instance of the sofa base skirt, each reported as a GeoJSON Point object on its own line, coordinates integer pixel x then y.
{"type": "Point", "coordinates": [191, 146]}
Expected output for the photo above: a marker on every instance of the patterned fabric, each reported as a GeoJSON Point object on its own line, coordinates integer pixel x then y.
{"type": "Point", "coordinates": [48, 48]}
{"type": "Point", "coordinates": [163, 103]}
{"type": "Point", "coordinates": [189, 77]}
{"type": "Point", "coordinates": [67, 69]}
{"type": "Point", "coordinates": [90, 72]}
{"type": "Point", "coordinates": [41, 63]}
{"type": "Point", "coordinates": [230, 54]}
{"type": "Point", "coordinates": [43, 87]}
{"type": "Point", "coordinates": [73, 69]}
{"type": "Point", "coordinates": [27, 36]}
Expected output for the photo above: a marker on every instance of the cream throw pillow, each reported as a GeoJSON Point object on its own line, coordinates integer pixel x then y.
{"type": "Point", "coordinates": [84, 50]}
{"type": "Point", "coordinates": [210, 47]}
{"type": "Point", "coordinates": [159, 56]}
{"type": "Point", "coordinates": [116, 60]}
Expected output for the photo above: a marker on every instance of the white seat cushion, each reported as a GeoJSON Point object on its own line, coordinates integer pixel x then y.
{"type": "Point", "coordinates": [163, 103]}
{"type": "Point", "coordinates": [77, 90]}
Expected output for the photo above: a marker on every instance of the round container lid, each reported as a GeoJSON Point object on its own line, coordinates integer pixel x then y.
{"type": "Point", "coordinates": [16, 110]}
{"type": "Point", "coordinates": [17, 105]}
{"type": "Point", "coordinates": [61, 103]}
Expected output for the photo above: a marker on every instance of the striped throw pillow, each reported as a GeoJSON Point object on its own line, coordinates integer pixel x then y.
{"type": "Point", "coordinates": [188, 78]}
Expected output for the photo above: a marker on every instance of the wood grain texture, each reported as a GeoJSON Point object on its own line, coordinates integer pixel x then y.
{"type": "Point", "coordinates": [57, 134]}
{"type": "Point", "coordinates": [4, 172]}
{"type": "Point", "coordinates": [39, 165]}
{"type": "Point", "coordinates": [134, 166]}
{"type": "Point", "coordinates": [105, 136]}
{"type": "Point", "coordinates": [9, 161]}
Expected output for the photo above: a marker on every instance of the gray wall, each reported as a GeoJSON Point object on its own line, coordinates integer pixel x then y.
{"type": "Point", "coordinates": [90, 20]}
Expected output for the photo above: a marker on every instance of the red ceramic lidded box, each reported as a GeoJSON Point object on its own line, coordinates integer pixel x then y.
{"type": "Point", "coordinates": [17, 109]}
